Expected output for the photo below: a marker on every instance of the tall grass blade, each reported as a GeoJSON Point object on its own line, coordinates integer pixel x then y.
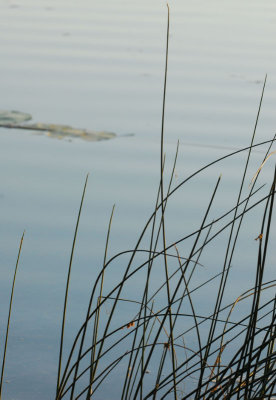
{"type": "Point", "coordinates": [9, 316]}
{"type": "Point", "coordinates": [67, 288]}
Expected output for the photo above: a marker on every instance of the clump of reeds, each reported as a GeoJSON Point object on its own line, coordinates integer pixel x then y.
{"type": "Point", "coordinates": [164, 346]}
{"type": "Point", "coordinates": [148, 353]}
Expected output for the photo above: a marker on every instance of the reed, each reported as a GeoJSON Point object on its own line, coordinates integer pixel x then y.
{"type": "Point", "coordinates": [141, 348]}
{"type": "Point", "coordinates": [169, 348]}
{"type": "Point", "coordinates": [9, 316]}
{"type": "Point", "coordinates": [155, 338]}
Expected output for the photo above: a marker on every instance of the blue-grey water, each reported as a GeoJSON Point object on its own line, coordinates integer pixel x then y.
{"type": "Point", "coordinates": [100, 65]}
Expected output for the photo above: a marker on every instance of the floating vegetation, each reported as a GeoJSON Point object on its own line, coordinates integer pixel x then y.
{"type": "Point", "coordinates": [15, 119]}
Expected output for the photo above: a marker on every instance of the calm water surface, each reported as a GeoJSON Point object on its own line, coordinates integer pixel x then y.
{"type": "Point", "coordinates": [100, 65]}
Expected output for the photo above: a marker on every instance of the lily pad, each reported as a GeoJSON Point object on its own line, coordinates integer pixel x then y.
{"type": "Point", "coordinates": [13, 117]}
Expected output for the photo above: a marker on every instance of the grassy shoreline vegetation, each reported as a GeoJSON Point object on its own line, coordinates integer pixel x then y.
{"type": "Point", "coordinates": [166, 347]}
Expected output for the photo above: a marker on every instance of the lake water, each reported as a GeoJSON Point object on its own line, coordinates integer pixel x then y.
{"type": "Point", "coordinates": [100, 65]}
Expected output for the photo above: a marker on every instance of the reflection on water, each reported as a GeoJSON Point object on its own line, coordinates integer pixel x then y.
{"type": "Point", "coordinates": [101, 65]}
